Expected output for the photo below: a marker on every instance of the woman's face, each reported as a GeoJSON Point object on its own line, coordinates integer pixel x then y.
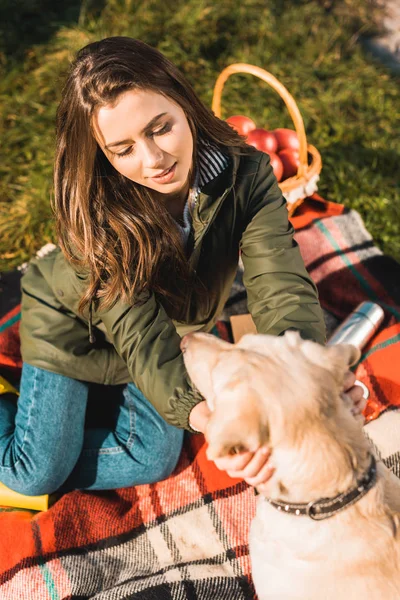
{"type": "Point", "coordinates": [147, 138]}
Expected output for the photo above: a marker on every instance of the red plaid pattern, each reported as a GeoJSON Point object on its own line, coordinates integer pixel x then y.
{"type": "Point", "coordinates": [186, 538]}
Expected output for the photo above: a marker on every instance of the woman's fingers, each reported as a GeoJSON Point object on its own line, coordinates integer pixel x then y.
{"type": "Point", "coordinates": [235, 462]}
{"type": "Point", "coordinates": [256, 469]}
{"type": "Point", "coordinates": [262, 477]}
{"type": "Point", "coordinates": [250, 466]}
{"type": "Point", "coordinates": [355, 392]}
{"type": "Point", "coordinates": [358, 407]}
{"type": "Point", "coordinates": [349, 381]}
{"type": "Point", "coordinates": [256, 464]}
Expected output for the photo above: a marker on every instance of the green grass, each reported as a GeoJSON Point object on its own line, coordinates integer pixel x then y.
{"type": "Point", "coordinates": [350, 104]}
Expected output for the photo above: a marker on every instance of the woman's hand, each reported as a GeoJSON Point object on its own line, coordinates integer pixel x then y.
{"type": "Point", "coordinates": [253, 467]}
{"type": "Point", "coordinates": [198, 417]}
{"type": "Point", "coordinates": [355, 393]}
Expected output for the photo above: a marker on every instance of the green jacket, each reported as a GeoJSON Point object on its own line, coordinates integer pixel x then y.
{"type": "Point", "coordinates": [242, 208]}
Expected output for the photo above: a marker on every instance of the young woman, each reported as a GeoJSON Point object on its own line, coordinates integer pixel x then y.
{"type": "Point", "coordinates": [154, 198]}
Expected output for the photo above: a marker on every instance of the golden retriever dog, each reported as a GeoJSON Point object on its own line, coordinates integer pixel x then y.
{"type": "Point", "coordinates": [327, 522]}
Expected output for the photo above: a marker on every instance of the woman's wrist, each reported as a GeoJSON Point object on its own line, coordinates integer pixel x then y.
{"type": "Point", "coordinates": [199, 416]}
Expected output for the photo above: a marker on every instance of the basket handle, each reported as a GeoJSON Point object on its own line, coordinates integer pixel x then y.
{"type": "Point", "coordinates": [279, 88]}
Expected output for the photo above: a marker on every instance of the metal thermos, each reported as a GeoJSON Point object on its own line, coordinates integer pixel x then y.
{"type": "Point", "coordinates": [359, 327]}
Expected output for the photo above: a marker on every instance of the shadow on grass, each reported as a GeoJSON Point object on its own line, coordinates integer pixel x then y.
{"type": "Point", "coordinates": [24, 23]}
{"type": "Point", "coordinates": [384, 162]}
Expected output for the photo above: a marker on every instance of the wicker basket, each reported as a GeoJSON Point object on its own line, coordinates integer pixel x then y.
{"type": "Point", "coordinates": [304, 183]}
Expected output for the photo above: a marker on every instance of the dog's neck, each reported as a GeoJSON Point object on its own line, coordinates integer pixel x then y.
{"type": "Point", "coordinates": [326, 461]}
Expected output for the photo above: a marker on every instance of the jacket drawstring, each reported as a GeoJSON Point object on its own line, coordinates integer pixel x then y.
{"type": "Point", "coordinates": [92, 337]}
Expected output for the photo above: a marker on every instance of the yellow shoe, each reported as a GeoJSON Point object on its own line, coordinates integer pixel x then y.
{"type": "Point", "coordinates": [6, 387]}
{"type": "Point", "coordinates": [10, 498]}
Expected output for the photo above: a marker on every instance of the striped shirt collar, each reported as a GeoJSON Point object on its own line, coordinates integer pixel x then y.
{"type": "Point", "coordinates": [211, 161]}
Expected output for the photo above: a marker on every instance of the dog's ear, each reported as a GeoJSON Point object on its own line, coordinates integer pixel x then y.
{"type": "Point", "coordinates": [257, 342]}
{"type": "Point", "coordinates": [342, 355]}
{"type": "Point", "coordinates": [347, 353]}
{"type": "Point", "coordinates": [338, 357]}
{"type": "Point", "coordinates": [244, 429]}
{"type": "Point", "coordinates": [265, 344]}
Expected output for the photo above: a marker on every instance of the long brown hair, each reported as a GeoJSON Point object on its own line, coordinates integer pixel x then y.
{"type": "Point", "coordinates": [109, 226]}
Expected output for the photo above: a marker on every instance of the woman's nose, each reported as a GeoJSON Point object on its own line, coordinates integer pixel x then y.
{"type": "Point", "coordinates": [152, 155]}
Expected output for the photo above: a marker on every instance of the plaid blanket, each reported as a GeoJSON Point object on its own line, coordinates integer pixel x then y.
{"type": "Point", "coordinates": [186, 538]}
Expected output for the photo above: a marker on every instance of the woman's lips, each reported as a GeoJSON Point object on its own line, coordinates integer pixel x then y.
{"type": "Point", "coordinates": [167, 176]}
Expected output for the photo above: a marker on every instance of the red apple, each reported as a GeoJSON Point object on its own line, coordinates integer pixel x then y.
{"type": "Point", "coordinates": [291, 160]}
{"type": "Point", "coordinates": [286, 138]}
{"type": "Point", "coordinates": [262, 140]}
{"type": "Point", "coordinates": [277, 165]}
{"type": "Point", "coordinates": [241, 123]}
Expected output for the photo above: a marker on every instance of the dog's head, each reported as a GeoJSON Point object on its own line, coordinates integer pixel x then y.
{"type": "Point", "coordinates": [263, 388]}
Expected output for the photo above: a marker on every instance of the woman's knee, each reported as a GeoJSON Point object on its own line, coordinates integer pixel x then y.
{"type": "Point", "coordinates": [33, 479]}
{"type": "Point", "coordinates": [30, 486]}
{"type": "Point", "coordinates": [34, 485]}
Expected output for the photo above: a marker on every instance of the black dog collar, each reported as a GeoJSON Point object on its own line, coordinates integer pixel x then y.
{"type": "Point", "coordinates": [328, 507]}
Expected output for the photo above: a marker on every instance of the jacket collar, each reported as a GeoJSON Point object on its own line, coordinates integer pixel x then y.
{"type": "Point", "coordinates": [211, 197]}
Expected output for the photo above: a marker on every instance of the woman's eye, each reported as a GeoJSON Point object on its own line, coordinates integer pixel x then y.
{"type": "Point", "coordinates": [165, 129]}
{"type": "Point", "coordinates": [126, 152]}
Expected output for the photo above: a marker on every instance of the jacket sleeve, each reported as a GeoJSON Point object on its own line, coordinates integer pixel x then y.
{"type": "Point", "coordinates": [54, 338]}
{"type": "Point", "coordinates": [146, 338]}
{"type": "Point", "coordinates": [280, 293]}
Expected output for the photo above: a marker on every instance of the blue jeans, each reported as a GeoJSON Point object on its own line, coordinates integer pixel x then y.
{"type": "Point", "coordinates": [45, 446]}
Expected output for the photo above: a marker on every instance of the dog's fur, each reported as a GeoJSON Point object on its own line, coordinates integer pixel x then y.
{"type": "Point", "coordinates": [288, 393]}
